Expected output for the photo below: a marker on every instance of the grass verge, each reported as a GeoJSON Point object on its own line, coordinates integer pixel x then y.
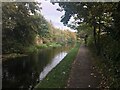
{"type": "Point", "coordinates": [35, 48]}
{"type": "Point", "coordinates": [58, 77]}
{"type": "Point", "coordinates": [12, 55]}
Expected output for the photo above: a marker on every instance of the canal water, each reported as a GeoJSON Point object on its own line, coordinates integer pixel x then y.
{"type": "Point", "coordinates": [23, 72]}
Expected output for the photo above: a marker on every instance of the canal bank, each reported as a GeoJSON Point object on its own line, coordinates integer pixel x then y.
{"type": "Point", "coordinates": [58, 77]}
{"type": "Point", "coordinates": [28, 50]}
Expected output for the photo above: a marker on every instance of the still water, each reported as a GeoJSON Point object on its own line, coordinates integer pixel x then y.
{"type": "Point", "coordinates": [24, 72]}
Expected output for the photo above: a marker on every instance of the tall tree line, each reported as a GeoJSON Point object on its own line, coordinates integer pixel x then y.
{"type": "Point", "coordinates": [22, 22]}
{"type": "Point", "coordinates": [103, 19]}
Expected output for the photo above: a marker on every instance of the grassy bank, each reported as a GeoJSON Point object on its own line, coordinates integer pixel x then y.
{"type": "Point", "coordinates": [30, 49]}
{"type": "Point", "coordinates": [12, 55]}
{"type": "Point", "coordinates": [58, 77]}
{"type": "Point", "coordinates": [35, 48]}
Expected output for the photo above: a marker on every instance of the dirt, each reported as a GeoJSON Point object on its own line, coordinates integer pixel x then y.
{"type": "Point", "coordinates": [83, 73]}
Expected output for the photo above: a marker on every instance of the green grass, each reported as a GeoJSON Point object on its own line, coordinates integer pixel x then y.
{"type": "Point", "coordinates": [54, 45]}
{"type": "Point", "coordinates": [41, 46]}
{"type": "Point", "coordinates": [30, 49]}
{"type": "Point", "coordinates": [58, 77]}
{"type": "Point", "coordinates": [12, 55]}
{"type": "Point", "coordinates": [48, 45]}
{"type": "Point", "coordinates": [35, 48]}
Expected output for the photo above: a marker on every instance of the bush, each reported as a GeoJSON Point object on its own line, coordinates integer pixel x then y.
{"type": "Point", "coordinates": [41, 46]}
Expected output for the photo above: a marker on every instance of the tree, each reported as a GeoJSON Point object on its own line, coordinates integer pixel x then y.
{"type": "Point", "coordinates": [17, 30]}
{"type": "Point", "coordinates": [97, 15]}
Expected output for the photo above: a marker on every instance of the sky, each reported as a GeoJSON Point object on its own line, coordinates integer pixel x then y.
{"type": "Point", "coordinates": [51, 14]}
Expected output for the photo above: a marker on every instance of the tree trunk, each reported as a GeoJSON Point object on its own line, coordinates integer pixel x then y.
{"type": "Point", "coordinates": [94, 33]}
{"type": "Point", "coordinates": [99, 44]}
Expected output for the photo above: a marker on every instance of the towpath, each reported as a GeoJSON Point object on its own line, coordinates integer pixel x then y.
{"type": "Point", "coordinates": [84, 73]}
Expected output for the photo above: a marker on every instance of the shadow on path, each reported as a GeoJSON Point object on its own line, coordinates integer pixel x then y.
{"type": "Point", "coordinates": [83, 73]}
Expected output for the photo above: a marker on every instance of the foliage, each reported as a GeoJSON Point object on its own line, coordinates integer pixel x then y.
{"type": "Point", "coordinates": [17, 28]}
{"type": "Point", "coordinates": [61, 36]}
{"type": "Point", "coordinates": [97, 15]}
{"type": "Point", "coordinates": [22, 22]}
{"type": "Point", "coordinates": [40, 25]}
{"type": "Point", "coordinates": [103, 20]}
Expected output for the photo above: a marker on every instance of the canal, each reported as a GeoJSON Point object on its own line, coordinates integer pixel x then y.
{"type": "Point", "coordinates": [23, 72]}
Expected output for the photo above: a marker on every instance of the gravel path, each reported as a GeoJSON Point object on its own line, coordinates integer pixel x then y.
{"type": "Point", "coordinates": [83, 73]}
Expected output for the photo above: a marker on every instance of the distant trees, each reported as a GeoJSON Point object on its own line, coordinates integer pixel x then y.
{"type": "Point", "coordinates": [60, 36]}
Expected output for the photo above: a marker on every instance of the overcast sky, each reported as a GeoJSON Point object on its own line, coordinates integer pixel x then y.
{"type": "Point", "coordinates": [50, 13]}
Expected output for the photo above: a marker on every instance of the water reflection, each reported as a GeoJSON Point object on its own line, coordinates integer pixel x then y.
{"type": "Point", "coordinates": [23, 72]}
{"type": "Point", "coordinates": [51, 65]}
